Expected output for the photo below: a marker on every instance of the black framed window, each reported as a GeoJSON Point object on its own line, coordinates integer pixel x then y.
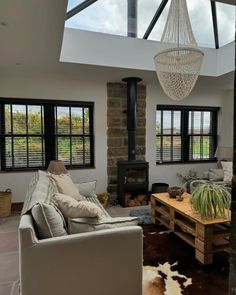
{"type": "Point", "coordinates": [73, 135]}
{"type": "Point", "coordinates": [185, 134]}
{"type": "Point", "coordinates": [34, 132]}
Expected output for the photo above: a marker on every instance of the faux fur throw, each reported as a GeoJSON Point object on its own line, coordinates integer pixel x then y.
{"type": "Point", "coordinates": [162, 280]}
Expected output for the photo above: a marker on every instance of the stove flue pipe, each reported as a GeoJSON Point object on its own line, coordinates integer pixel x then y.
{"type": "Point", "coordinates": [132, 83]}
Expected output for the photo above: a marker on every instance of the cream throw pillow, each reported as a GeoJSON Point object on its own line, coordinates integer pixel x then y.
{"type": "Point", "coordinates": [228, 171]}
{"type": "Point", "coordinates": [66, 186]}
{"type": "Point", "coordinates": [87, 189]}
{"type": "Point", "coordinates": [71, 208]}
{"type": "Point", "coordinates": [48, 221]}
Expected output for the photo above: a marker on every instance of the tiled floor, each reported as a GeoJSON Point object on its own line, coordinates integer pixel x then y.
{"type": "Point", "coordinates": [9, 266]}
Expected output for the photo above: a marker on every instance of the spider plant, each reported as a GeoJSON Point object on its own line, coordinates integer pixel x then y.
{"type": "Point", "coordinates": [211, 200]}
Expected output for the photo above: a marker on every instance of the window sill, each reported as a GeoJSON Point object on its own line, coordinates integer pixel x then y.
{"type": "Point", "coordinates": [189, 162]}
{"type": "Point", "coordinates": [43, 169]}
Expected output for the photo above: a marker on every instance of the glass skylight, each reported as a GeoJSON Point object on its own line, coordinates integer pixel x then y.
{"type": "Point", "coordinates": [146, 11]}
{"type": "Point", "coordinates": [73, 3]}
{"type": "Point", "coordinates": [226, 21]}
{"type": "Point", "coordinates": [201, 21]}
{"type": "Point", "coordinates": [110, 16]}
{"type": "Point", "coordinates": [104, 16]}
{"type": "Point", "coordinates": [159, 27]}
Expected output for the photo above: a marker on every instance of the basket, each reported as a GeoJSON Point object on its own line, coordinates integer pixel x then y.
{"type": "Point", "coordinates": [5, 203]}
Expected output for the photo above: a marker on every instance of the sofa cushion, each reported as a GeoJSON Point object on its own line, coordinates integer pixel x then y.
{"type": "Point", "coordinates": [48, 221]}
{"type": "Point", "coordinates": [41, 190]}
{"type": "Point", "coordinates": [228, 170]}
{"type": "Point", "coordinates": [87, 189]}
{"type": "Point", "coordinates": [80, 225]}
{"type": "Point", "coordinates": [66, 186]}
{"type": "Point", "coordinates": [216, 174]}
{"type": "Point", "coordinates": [72, 208]}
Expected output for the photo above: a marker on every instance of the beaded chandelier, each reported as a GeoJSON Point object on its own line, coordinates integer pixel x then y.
{"type": "Point", "coordinates": [179, 62]}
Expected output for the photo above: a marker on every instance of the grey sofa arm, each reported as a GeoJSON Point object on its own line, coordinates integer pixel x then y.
{"type": "Point", "coordinates": [103, 263]}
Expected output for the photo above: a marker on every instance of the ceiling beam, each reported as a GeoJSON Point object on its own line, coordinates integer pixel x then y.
{"type": "Point", "coordinates": [215, 26]}
{"type": "Point", "coordinates": [79, 8]}
{"type": "Point", "coordinates": [155, 19]}
{"type": "Point", "coordinates": [232, 2]}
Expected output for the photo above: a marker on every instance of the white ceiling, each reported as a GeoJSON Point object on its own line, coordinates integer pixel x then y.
{"type": "Point", "coordinates": [31, 35]}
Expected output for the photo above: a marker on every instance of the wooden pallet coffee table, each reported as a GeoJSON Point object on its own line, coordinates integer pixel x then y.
{"type": "Point", "coordinates": [207, 236]}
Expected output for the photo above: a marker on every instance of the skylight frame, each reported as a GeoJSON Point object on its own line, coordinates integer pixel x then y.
{"type": "Point", "coordinates": [214, 32]}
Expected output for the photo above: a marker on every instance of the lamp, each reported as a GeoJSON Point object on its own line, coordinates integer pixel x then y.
{"type": "Point", "coordinates": [178, 64]}
{"type": "Point", "coordinates": [224, 153]}
{"type": "Point", "coordinates": [57, 167]}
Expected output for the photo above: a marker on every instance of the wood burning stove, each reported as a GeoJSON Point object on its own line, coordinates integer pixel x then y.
{"type": "Point", "coordinates": [132, 175]}
{"type": "Point", "coordinates": [132, 183]}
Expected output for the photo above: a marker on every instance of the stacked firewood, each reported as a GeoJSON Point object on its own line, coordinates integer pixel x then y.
{"type": "Point", "coordinates": [139, 200]}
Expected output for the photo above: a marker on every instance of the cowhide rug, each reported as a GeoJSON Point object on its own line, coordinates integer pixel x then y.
{"type": "Point", "coordinates": [163, 280]}
{"type": "Point", "coordinates": [170, 266]}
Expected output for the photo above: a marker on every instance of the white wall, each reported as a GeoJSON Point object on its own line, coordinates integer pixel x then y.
{"type": "Point", "coordinates": [227, 111]}
{"type": "Point", "coordinates": [130, 53]}
{"type": "Point", "coordinates": [58, 87]}
{"type": "Point", "coordinates": [199, 97]}
{"type": "Point", "coordinates": [64, 89]}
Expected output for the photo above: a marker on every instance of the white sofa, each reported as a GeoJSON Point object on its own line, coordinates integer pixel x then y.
{"type": "Point", "coordinates": [104, 262]}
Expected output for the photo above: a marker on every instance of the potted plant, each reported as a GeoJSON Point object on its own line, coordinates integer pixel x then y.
{"type": "Point", "coordinates": [211, 200]}
{"type": "Point", "coordinates": [104, 199]}
{"type": "Point", "coordinates": [192, 175]}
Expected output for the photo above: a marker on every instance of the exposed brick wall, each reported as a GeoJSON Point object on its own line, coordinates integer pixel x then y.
{"type": "Point", "coordinates": [117, 136]}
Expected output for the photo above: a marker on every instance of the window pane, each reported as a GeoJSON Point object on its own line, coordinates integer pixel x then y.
{"type": "Point", "coordinates": [206, 147]}
{"type": "Point", "coordinates": [166, 122]}
{"type": "Point", "coordinates": [8, 119]}
{"type": "Point", "coordinates": [86, 120]}
{"type": "Point", "coordinates": [87, 150]}
{"type": "Point", "coordinates": [195, 122]}
{"type": "Point", "coordinates": [226, 22]}
{"type": "Point", "coordinates": [102, 16]}
{"type": "Point", "coordinates": [206, 122]}
{"type": "Point", "coordinates": [63, 149]}
{"type": "Point", "coordinates": [166, 150]}
{"type": "Point", "coordinates": [77, 150]}
{"type": "Point", "coordinates": [159, 27]}
{"type": "Point", "coordinates": [146, 11]}
{"type": "Point", "coordinates": [195, 148]}
{"type": "Point", "coordinates": [72, 3]}
{"type": "Point", "coordinates": [76, 120]}
{"type": "Point", "coordinates": [35, 151]}
{"type": "Point", "coordinates": [8, 146]}
{"type": "Point", "coordinates": [158, 122]}
{"type": "Point", "coordinates": [176, 122]}
{"type": "Point", "coordinates": [158, 149]}
{"type": "Point", "coordinates": [19, 119]}
{"type": "Point", "coordinates": [190, 122]}
{"type": "Point", "coordinates": [20, 152]}
{"type": "Point", "coordinates": [63, 120]}
{"type": "Point", "coordinates": [34, 119]}
{"type": "Point", "coordinates": [201, 21]}
{"type": "Point", "coordinates": [176, 148]}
